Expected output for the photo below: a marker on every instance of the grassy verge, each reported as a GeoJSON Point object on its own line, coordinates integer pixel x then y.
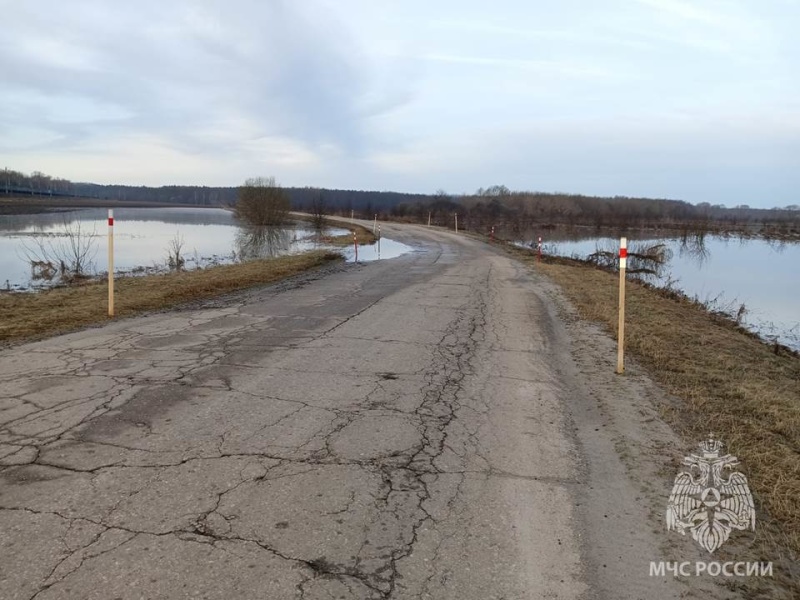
{"type": "Point", "coordinates": [31, 316]}
{"type": "Point", "coordinates": [725, 380]}
{"type": "Point", "coordinates": [364, 235]}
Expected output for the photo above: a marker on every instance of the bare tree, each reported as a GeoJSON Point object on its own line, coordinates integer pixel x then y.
{"type": "Point", "coordinates": [175, 258]}
{"type": "Point", "coordinates": [262, 202]}
{"type": "Point", "coordinates": [69, 253]}
{"type": "Point", "coordinates": [318, 210]}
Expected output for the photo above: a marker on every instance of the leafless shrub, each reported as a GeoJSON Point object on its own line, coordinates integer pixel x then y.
{"type": "Point", "coordinates": [643, 259]}
{"type": "Point", "coordinates": [175, 258]}
{"type": "Point", "coordinates": [68, 254]}
{"type": "Point", "coordinates": [318, 211]}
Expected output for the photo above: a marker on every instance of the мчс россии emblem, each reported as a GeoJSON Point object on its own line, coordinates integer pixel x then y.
{"type": "Point", "coordinates": [710, 498]}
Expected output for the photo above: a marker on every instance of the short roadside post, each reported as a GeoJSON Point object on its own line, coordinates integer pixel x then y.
{"type": "Point", "coordinates": [379, 241]}
{"type": "Point", "coordinates": [623, 265]}
{"type": "Point", "coordinates": [375, 224]}
{"type": "Point", "coordinates": [355, 245]}
{"type": "Point", "coordinates": [110, 262]}
{"type": "Point", "coordinates": [429, 218]}
{"type": "Point", "coordinates": [539, 250]}
{"type": "Point", "coordinates": [456, 222]}
{"type": "Point", "coordinates": [492, 234]}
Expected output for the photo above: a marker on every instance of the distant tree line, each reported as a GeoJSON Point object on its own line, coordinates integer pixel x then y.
{"type": "Point", "coordinates": [499, 206]}
{"type": "Point", "coordinates": [363, 203]}
{"type": "Point", "coordinates": [492, 206]}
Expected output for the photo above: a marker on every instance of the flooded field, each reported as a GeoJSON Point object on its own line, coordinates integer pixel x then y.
{"type": "Point", "coordinates": [32, 247]}
{"type": "Point", "coordinates": [757, 280]}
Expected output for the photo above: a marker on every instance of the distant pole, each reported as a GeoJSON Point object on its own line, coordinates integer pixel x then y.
{"type": "Point", "coordinates": [355, 245]}
{"type": "Point", "coordinates": [429, 219]}
{"type": "Point", "coordinates": [492, 234]}
{"type": "Point", "coordinates": [110, 263]}
{"type": "Point", "coordinates": [374, 224]}
{"type": "Point", "coordinates": [623, 265]}
{"type": "Point", "coordinates": [456, 222]}
{"type": "Point", "coordinates": [352, 214]}
{"type": "Point", "coordinates": [539, 249]}
{"type": "Point", "coordinates": [379, 241]}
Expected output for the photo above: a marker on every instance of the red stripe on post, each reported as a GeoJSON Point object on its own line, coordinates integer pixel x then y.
{"type": "Point", "coordinates": [110, 221]}
{"type": "Point", "coordinates": [623, 253]}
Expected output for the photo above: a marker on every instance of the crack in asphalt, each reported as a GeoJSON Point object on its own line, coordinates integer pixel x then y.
{"type": "Point", "coordinates": [406, 474]}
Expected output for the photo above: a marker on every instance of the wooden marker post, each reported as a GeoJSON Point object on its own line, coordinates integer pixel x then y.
{"type": "Point", "coordinates": [623, 265]}
{"type": "Point", "coordinates": [355, 245]}
{"type": "Point", "coordinates": [110, 262]}
{"type": "Point", "coordinates": [375, 225]}
{"type": "Point", "coordinates": [379, 241]}
{"type": "Point", "coordinates": [539, 250]}
{"type": "Point", "coordinates": [456, 222]}
{"type": "Point", "coordinates": [429, 219]}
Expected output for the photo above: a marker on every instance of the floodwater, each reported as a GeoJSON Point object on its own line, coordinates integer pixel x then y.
{"type": "Point", "coordinates": [723, 272]}
{"type": "Point", "coordinates": [143, 237]}
{"type": "Point", "coordinates": [383, 249]}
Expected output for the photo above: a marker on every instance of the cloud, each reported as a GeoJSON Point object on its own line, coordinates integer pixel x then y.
{"type": "Point", "coordinates": [750, 157]}
{"type": "Point", "coordinates": [182, 68]}
{"type": "Point", "coordinates": [613, 97]}
{"type": "Point", "coordinates": [726, 27]}
{"type": "Point", "coordinates": [550, 67]}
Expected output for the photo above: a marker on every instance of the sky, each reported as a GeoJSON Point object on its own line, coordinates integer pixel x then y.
{"type": "Point", "coordinates": [696, 100]}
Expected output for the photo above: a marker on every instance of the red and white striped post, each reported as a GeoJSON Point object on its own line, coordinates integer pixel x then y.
{"type": "Point", "coordinates": [492, 235]}
{"type": "Point", "coordinates": [539, 249]}
{"type": "Point", "coordinates": [623, 265]}
{"type": "Point", "coordinates": [355, 245]}
{"type": "Point", "coordinates": [379, 241]}
{"type": "Point", "coordinates": [110, 262]}
{"type": "Point", "coordinates": [456, 222]}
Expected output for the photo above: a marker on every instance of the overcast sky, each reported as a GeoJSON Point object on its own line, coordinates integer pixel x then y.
{"type": "Point", "coordinates": [690, 99]}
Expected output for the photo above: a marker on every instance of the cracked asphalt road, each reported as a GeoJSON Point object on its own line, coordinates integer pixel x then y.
{"type": "Point", "coordinates": [399, 429]}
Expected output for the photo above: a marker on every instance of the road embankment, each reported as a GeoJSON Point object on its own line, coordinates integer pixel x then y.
{"type": "Point", "coordinates": [50, 312]}
{"type": "Point", "coordinates": [723, 379]}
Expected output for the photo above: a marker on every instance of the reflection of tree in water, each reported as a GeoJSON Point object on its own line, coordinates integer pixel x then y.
{"type": "Point", "coordinates": [693, 246]}
{"type": "Point", "coordinates": [778, 246]}
{"type": "Point", "coordinates": [262, 242]}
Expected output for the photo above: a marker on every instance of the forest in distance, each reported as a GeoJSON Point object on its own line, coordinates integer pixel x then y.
{"type": "Point", "coordinates": [496, 205]}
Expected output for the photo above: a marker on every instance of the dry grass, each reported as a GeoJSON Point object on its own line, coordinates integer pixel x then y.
{"type": "Point", "coordinates": [31, 316]}
{"type": "Point", "coordinates": [727, 382]}
{"type": "Point", "coordinates": [364, 235]}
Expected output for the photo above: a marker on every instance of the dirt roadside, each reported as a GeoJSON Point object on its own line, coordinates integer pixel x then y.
{"type": "Point", "coordinates": [638, 416]}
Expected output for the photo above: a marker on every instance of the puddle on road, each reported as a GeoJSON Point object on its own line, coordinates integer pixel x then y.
{"type": "Point", "coordinates": [385, 249]}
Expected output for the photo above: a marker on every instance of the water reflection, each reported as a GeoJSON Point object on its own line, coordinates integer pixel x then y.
{"type": "Point", "coordinates": [174, 215]}
{"type": "Point", "coordinates": [693, 247]}
{"type": "Point", "coordinates": [146, 238]}
{"type": "Point", "coordinates": [725, 272]}
{"type": "Point", "coordinates": [253, 242]}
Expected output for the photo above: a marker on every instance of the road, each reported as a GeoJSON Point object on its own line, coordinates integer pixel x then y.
{"type": "Point", "coordinates": [422, 427]}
